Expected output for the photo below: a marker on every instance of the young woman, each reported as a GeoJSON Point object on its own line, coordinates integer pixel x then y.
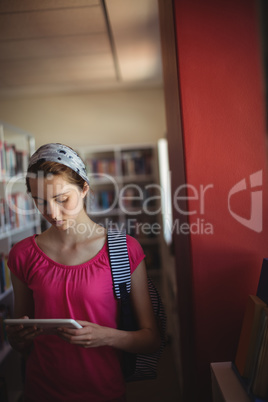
{"type": "Point", "coordinates": [65, 273]}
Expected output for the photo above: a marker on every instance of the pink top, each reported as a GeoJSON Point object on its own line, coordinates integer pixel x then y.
{"type": "Point", "coordinates": [57, 370]}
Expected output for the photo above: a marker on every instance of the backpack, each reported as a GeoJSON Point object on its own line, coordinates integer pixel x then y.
{"type": "Point", "coordinates": [136, 366]}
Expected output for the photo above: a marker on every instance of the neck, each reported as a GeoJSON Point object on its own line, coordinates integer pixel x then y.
{"type": "Point", "coordinates": [80, 230]}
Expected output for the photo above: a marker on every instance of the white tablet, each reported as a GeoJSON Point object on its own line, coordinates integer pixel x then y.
{"type": "Point", "coordinates": [44, 323]}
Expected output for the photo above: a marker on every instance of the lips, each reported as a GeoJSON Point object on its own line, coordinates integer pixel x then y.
{"type": "Point", "coordinates": [56, 223]}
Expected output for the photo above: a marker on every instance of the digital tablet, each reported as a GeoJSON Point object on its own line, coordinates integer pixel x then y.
{"type": "Point", "coordinates": [44, 323]}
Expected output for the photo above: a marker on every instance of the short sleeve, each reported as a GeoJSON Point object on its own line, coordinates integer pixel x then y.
{"type": "Point", "coordinates": [16, 259]}
{"type": "Point", "coordinates": [135, 252]}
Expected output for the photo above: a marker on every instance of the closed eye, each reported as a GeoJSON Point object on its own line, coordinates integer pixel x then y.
{"type": "Point", "coordinates": [62, 200]}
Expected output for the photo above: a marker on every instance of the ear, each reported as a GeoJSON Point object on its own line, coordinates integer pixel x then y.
{"type": "Point", "coordinates": [85, 189]}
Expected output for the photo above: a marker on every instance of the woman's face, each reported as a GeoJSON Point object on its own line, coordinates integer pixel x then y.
{"type": "Point", "coordinates": [59, 201]}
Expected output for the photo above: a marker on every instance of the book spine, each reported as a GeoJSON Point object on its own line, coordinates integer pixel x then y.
{"type": "Point", "coordinates": [7, 273]}
{"type": "Point", "coordinates": [258, 346]}
{"type": "Point", "coordinates": [2, 273]}
{"type": "Point", "coordinates": [260, 383]}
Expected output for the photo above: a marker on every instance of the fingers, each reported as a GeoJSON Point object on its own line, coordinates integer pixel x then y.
{"type": "Point", "coordinates": [81, 340]}
{"type": "Point", "coordinates": [30, 332]}
{"type": "Point", "coordinates": [21, 333]}
{"type": "Point", "coordinates": [82, 337]}
{"type": "Point", "coordinates": [84, 323]}
{"type": "Point", "coordinates": [73, 334]}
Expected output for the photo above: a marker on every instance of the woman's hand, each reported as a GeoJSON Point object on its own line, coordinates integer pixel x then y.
{"type": "Point", "coordinates": [90, 336]}
{"type": "Point", "coordinates": [21, 337]}
{"type": "Point", "coordinates": [145, 340]}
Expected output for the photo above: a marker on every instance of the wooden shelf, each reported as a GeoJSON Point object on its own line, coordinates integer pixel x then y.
{"type": "Point", "coordinates": [16, 147]}
{"type": "Point", "coordinates": [225, 385]}
{"type": "Point", "coordinates": [135, 167]}
{"type": "Point", "coordinates": [104, 180]}
{"type": "Point", "coordinates": [12, 232]}
{"type": "Point", "coordinates": [138, 178]}
{"type": "Point", "coordinates": [19, 178]}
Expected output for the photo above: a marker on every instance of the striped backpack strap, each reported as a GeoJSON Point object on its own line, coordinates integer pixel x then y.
{"type": "Point", "coordinates": [136, 366]}
{"type": "Point", "coordinates": [119, 260]}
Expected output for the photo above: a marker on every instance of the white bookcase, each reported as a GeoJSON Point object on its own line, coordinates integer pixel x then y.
{"type": "Point", "coordinates": [225, 384]}
{"type": "Point", "coordinates": [125, 193]}
{"type": "Point", "coordinates": [18, 219]}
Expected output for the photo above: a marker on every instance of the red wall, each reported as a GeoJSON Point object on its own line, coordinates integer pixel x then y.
{"type": "Point", "coordinates": [222, 106]}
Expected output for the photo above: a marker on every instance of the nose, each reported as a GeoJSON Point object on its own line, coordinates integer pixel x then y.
{"type": "Point", "coordinates": [53, 210]}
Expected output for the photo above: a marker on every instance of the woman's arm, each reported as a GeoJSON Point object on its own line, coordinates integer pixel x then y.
{"type": "Point", "coordinates": [145, 340]}
{"type": "Point", "coordinates": [24, 304]}
{"type": "Point", "coordinates": [21, 337]}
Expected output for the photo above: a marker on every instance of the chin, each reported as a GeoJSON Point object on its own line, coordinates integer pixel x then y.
{"type": "Point", "coordinates": [61, 225]}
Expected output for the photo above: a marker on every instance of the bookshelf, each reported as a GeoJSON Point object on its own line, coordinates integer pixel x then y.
{"type": "Point", "coordinates": [125, 194]}
{"type": "Point", "coordinates": [225, 385]}
{"type": "Point", "coordinates": [251, 359]}
{"type": "Point", "coordinates": [18, 219]}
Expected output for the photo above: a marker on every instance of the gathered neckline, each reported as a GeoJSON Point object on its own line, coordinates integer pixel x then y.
{"type": "Point", "coordinates": [83, 265]}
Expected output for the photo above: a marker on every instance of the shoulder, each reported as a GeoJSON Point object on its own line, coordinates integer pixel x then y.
{"type": "Point", "coordinates": [132, 243]}
{"type": "Point", "coordinates": [22, 246]}
{"type": "Point", "coordinates": [135, 252]}
{"type": "Point", "coordinates": [19, 254]}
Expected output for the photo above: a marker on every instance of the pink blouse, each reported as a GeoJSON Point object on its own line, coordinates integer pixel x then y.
{"type": "Point", "coordinates": [57, 370]}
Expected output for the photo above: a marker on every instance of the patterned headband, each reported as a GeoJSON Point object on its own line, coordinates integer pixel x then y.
{"type": "Point", "coordinates": [61, 154]}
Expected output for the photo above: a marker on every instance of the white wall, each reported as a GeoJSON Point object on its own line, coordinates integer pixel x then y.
{"type": "Point", "coordinates": [98, 118]}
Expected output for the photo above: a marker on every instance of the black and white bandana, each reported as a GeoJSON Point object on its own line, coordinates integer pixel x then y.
{"type": "Point", "coordinates": [62, 154]}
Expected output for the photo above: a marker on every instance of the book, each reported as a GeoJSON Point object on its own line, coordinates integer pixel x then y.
{"type": "Point", "coordinates": [137, 162]}
{"type": "Point", "coordinates": [244, 382]}
{"type": "Point", "coordinates": [2, 274]}
{"type": "Point", "coordinates": [259, 380]}
{"type": "Point", "coordinates": [262, 290]}
{"type": "Point", "coordinates": [248, 336]}
{"type": "Point", "coordinates": [2, 215]}
{"type": "Point", "coordinates": [7, 273]}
